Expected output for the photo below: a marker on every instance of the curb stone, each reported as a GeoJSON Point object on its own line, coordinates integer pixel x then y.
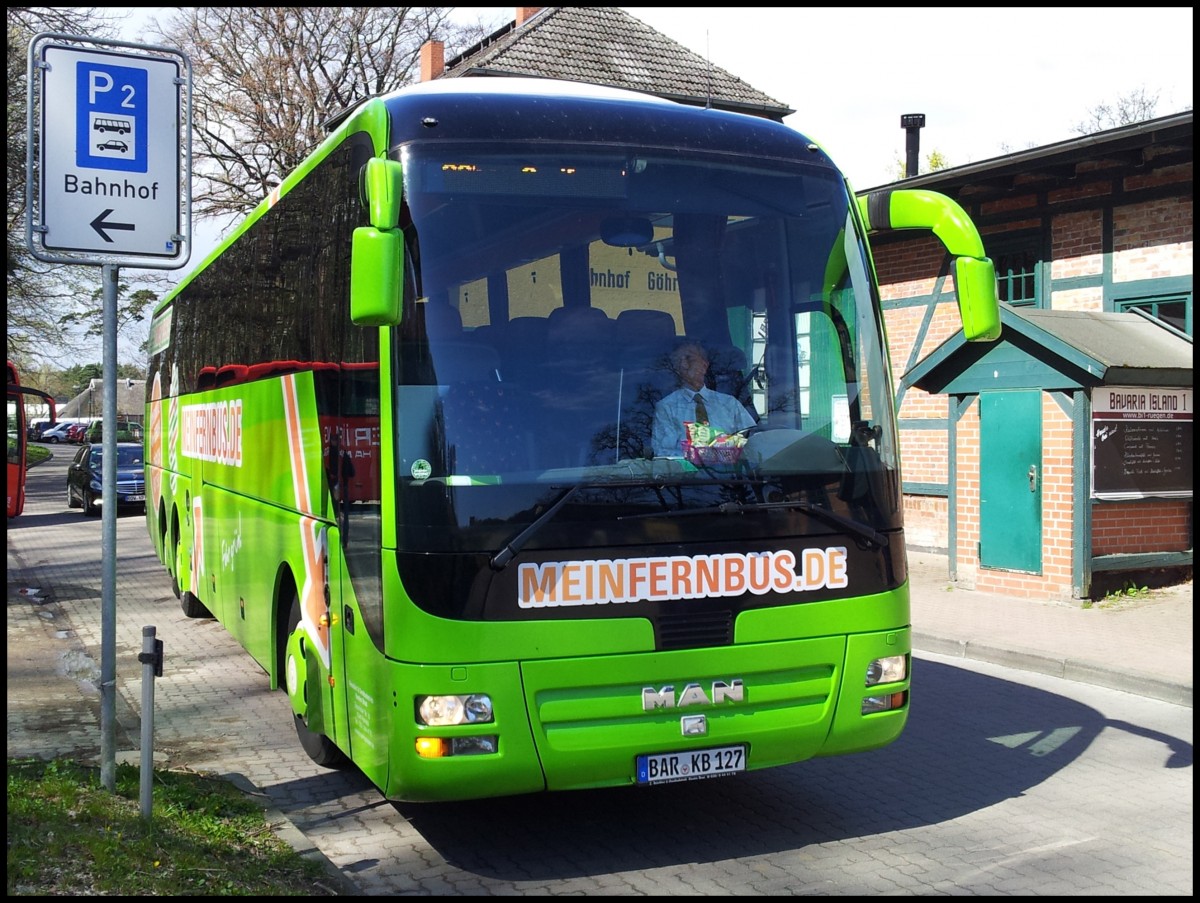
{"type": "Point", "coordinates": [1067, 668]}
{"type": "Point", "coordinates": [286, 831]}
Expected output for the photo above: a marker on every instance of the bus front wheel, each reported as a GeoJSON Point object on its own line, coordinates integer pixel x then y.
{"type": "Point", "coordinates": [319, 748]}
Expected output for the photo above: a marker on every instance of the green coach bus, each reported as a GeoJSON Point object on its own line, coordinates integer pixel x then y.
{"type": "Point", "coordinates": [400, 442]}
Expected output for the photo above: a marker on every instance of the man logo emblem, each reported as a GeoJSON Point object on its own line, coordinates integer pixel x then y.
{"type": "Point", "coordinates": [692, 694]}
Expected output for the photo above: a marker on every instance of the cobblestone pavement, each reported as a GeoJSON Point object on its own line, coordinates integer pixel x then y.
{"type": "Point", "coordinates": [804, 830]}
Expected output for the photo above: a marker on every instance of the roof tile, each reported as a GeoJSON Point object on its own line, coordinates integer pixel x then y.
{"type": "Point", "coordinates": [607, 46]}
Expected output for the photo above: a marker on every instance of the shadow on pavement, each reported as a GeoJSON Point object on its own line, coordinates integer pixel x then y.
{"type": "Point", "coordinates": [971, 742]}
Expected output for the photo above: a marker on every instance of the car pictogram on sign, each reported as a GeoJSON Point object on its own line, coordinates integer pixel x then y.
{"type": "Point", "coordinates": [114, 146]}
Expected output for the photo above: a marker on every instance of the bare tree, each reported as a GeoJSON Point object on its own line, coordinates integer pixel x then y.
{"type": "Point", "coordinates": [266, 78]}
{"type": "Point", "coordinates": [1136, 106]}
{"type": "Point", "coordinates": [41, 297]}
{"type": "Point", "coordinates": [934, 160]}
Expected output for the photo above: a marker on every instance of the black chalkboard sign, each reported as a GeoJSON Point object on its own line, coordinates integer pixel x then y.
{"type": "Point", "coordinates": [1142, 457]}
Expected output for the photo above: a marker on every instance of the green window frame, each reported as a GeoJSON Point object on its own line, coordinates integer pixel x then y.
{"type": "Point", "coordinates": [1173, 308]}
{"type": "Point", "coordinates": [1018, 266]}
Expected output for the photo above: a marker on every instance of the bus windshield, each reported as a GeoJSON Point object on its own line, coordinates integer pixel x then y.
{"type": "Point", "coordinates": [555, 293]}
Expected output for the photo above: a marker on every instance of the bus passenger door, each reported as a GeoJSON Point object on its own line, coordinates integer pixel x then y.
{"type": "Point", "coordinates": [16, 455]}
{"type": "Point", "coordinates": [362, 698]}
{"type": "Point", "coordinates": [361, 694]}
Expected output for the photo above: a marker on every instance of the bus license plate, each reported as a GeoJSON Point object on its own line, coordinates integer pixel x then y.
{"type": "Point", "coordinates": [691, 766]}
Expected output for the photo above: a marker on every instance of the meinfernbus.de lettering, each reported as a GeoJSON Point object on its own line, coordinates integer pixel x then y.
{"type": "Point", "coordinates": [496, 525]}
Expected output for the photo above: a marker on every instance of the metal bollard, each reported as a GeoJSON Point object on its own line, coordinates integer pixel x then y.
{"type": "Point", "coordinates": [151, 658]}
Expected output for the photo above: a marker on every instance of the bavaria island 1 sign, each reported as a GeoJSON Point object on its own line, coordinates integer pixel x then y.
{"type": "Point", "coordinates": [111, 167]}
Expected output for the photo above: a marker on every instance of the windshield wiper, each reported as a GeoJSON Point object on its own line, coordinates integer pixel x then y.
{"type": "Point", "coordinates": [863, 531]}
{"type": "Point", "coordinates": [501, 559]}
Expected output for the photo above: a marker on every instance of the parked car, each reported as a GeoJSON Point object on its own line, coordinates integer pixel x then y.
{"type": "Point", "coordinates": [85, 478]}
{"type": "Point", "coordinates": [76, 433]}
{"type": "Point", "coordinates": [55, 434]}
{"type": "Point", "coordinates": [127, 431]}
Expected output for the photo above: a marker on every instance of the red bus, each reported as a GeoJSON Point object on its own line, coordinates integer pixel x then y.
{"type": "Point", "coordinates": [18, 438]}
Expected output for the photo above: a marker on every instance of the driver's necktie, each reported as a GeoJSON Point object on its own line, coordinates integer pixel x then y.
{"type": "Point", "coordinates": [701, 410]}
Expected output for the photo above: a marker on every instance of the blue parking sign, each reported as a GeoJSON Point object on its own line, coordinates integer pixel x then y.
{"type": "Point", "coordinates": [112, 116]}
{"type": "Point", "coordinates": [109, 152]}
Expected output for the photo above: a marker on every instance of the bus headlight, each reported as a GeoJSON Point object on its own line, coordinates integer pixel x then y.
{"type": "Point", "coordinates": [887, 670]}
{"type": "Point", "coordinates": [440, 711]}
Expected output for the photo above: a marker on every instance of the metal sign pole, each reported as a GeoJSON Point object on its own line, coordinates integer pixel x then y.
{"type": "Point", "coordinates": [108, 544]}
{"type": "Point", "coordinates": [108, 181]}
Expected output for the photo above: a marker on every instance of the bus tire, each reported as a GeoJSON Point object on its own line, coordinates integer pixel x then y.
{"type": "Point", "coordinates": [319, 747]}
{"type": "Point", "coordinates": [193, 607]}
{"type": "Point", "coordinates": [172, 543]}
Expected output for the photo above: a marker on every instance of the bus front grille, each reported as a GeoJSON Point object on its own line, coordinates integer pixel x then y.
{"type": "Point", "coordinates": [694, 630]}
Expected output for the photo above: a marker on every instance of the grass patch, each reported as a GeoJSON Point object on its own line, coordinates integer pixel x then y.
{"type": "Point", "coordinates": [36, 454]}
{"type": "Point", "coordinates": [1128, 593]}
{"type": "Point", "coordinates": [69, 836]}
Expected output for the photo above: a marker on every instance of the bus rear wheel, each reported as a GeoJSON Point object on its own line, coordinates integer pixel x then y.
{"type": "Point", "coordinates": [175, 551]}
{"type": "Point", "coordinates": [319, 748]}
{"type": "Point", "coordinates": [191, 606]}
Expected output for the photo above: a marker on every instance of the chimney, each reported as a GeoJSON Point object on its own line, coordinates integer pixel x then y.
{"type": "Point", "coordinates": [525, 13]}
{"type": "Point", "coordinates": [912, 123]}
{"type": "Point", "coordinates": [433, 60]}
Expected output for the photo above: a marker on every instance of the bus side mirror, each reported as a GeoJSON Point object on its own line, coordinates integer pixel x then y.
{"type": "Point", "coordinates": [376, 276]}
{"type": "Point", "coordinates": [975, 284]}
{"type": "Point", "coordinates": [381, 189]}
{"type": "Point", "coordinates": [974, 273]}
{"type": "Point", "coordinates": [377, 250]}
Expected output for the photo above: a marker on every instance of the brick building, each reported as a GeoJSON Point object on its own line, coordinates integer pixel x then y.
{"type": "Point", "coordinates": [1092, 239]}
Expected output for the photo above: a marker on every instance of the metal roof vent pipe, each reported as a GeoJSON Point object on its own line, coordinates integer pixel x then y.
{"type": "Point", "coordinates": [912, 123]}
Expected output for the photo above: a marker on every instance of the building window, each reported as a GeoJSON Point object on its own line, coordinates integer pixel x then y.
{"type": "Point", "coordinates": [1174, 309]}
{"type": "Point", "coordinates": [1018, 265]}
{"type": "Point", "coordinates": [1016, 273]}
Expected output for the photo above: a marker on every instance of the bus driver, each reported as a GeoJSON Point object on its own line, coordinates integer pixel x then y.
{"type": "Point", "coordinates": [693, 402]}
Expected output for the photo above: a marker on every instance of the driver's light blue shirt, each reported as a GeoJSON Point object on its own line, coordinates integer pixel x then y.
{"type": "Point", "coordinates": [725, 415]}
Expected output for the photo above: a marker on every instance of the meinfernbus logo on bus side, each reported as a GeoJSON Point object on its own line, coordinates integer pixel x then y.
{"type": "Point", "coordinates": [213, 432]}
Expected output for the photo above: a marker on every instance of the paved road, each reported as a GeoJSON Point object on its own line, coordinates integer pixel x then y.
{"type": "Point", "coordinates": [1005, 782]}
